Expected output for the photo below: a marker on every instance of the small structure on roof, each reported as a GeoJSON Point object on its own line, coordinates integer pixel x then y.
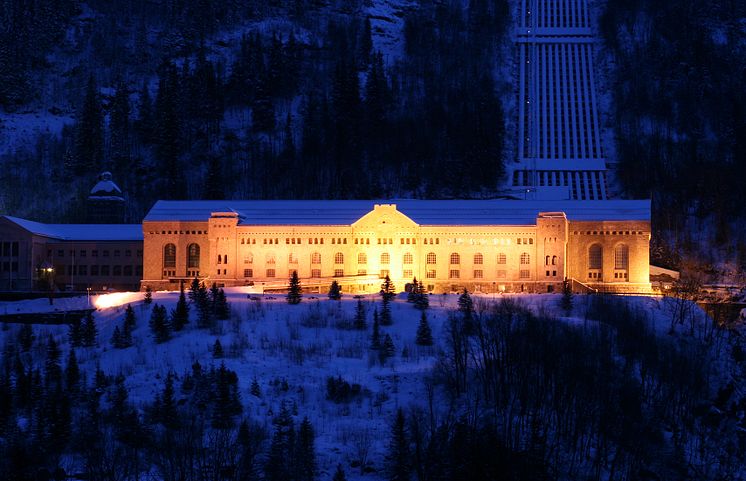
{"type": "Point", "coordinates": [106, 201]}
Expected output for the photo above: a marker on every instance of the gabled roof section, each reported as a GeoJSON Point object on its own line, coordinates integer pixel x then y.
{"type": "Point", "coordinates": [384, 215]}
{"type": "Point", "coordinates": [80, 232]}
{"type": "Point", "coordinates": [422, 212]}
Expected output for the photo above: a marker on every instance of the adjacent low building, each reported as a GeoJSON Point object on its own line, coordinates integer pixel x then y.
{"type": "Point", "coordinates": [483, 246]}
{"type": "Point", "coordinates": [75, 257]}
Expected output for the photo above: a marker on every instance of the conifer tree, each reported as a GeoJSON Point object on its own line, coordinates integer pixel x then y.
{"type": "Point", "coordinates": [388, 349]}
{"type": "Point", "coordinates": [386, 319]}
{"type": "Point", "coordinates": [116, 338]}
{"type": "Point", "coordinates": [335, 293]}
{"type": "Point", "coordinates": [89, 132]}
{"type": "Point", "coordinates": [159, 324]}
{"type": "Point", "coordinates": [422, 301]}
{"type": "Point", "coordinates": [75, 333]}
{"type": "Point", "coordinates": [205, 310]}
{"type": "Point", "coordinates": [129, 318]}
{"type": "Point", "coordinates": [305, 457]}
{"type": "Point", "coordinates": [255, 390]}
{"type": "Point", "coordinates": [227, 403]}
{"type": "Point", "coordinates": [26, 337]}
{"type": "Point", "coordinates": [388, 291]}
{"type": "Point", "coordinates": [466, 305]}
{"type": "Point", "coordinates": [375, 339]}
{"type": "Point", "coordinates": [126, 335]}
{"type": "Point", "coordinates": [222, 309]}
{"type": "Point", "coordinates": [167, 412]}
{"type": "Point", "coordinates": [72, 372]}
{"type": "Point", "coordinates": [217, 349]}
{"type": "Point", "coordinates": [194, 290]}
{"type": "Point", "coordinates": [180, 315]}
{"type": "Point", "coordinates": [413, 291]}
{"type": "Point", "coordinates": [339, 474]}
{"type": "Point", "coordinates": [360, 324]}
{"type": "Point", "coordinates": [148, 299]}
{"type": "Point", "coordinates": [399, 464]}
{"type": "Point", "coordinates": [281, 459]}
{"type": "Point", "coordinates": [52, 367]}
{"type": "Point", "coordinates": [424, 334]}
{"type": "Point", "coordinates": [88, 331]}
{"type": "Point", "coordinates": [294, 289]}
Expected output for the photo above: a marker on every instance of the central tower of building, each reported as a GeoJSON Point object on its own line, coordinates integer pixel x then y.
{"type": "Point", "coordinates": [560, 153]}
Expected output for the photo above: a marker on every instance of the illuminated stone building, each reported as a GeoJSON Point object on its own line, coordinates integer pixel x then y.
{"type": "Point", "coordinates": [484, 246]}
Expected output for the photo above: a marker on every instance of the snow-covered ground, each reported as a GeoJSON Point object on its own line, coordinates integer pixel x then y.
{"type": "Point", "coordinates": [268, 340]}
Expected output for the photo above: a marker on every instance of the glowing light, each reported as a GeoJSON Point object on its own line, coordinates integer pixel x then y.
{"type": "Point", "coordinates": [116, 299]}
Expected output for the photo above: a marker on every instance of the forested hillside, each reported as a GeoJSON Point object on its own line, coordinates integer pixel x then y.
{"type": "Point", "coordinates": [266, 99]}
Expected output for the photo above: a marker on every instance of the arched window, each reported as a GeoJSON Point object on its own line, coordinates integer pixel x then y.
{"type": "Point", "coordinates": [362, 258]}
{"type": "Point", "coordinates": [431, 258]}
{"type": "Point", "coordinates": [502, 258]}
{"type": "Point", "coordinates": [621, 257]}
{"type": "Point", "coordinates": [546, 261]}
{"type": "Point", "coordinates": [408, 259]}
{"type": "Point", "coordinates": [478, 259]}
{"type": "Point", "coordinates": [270, 259]}
{"type": "Point", "coordinates": [292, 258]}
{"type": "Point", "coordinates": [595, 257]}
{"type": "Point", "coordinates": [315, 258]}
{"type": "Point", "coordinates": [339, 258]}
{"type": "Point", "coordinates": [554, 260]}
{"type": "Point", "coordinates": [385, 258]}
{"type": "Point", "coordinates": [169, 255]}
{"type": "Point", "coordinates": [455, 258]}
{"type": "Point", "coordinates": [193, 256]}
{"type": "Point", "coordinates": [525, 258]}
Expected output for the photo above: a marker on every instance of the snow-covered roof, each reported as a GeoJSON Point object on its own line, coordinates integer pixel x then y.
{"type": "Point", "coordinates": [106, 187]}
{"type": "Point", "coordinates": [81, 232]}
{"type": "Point", "coordinates": [423, 212]}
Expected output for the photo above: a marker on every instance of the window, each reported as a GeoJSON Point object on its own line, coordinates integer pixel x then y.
{"type": "Point", "coordinates": [316, 273]}
{"type": "Point", "coordinates": [431, 258]}
{"type": "Point", "coordinates": [138, 270]}
{"type": "Point", "coordinates": [454, 274]}
{"type": "Point", "coordinates": [83, 270]}
{"type": "Point", "coordinates": [117, 271]}
{"type": "Point", "coordinates": [554, 260]}
{"type": "Point", "coordinates": [595, 257]}
{"type": "Point", "coordinates": [270, 260]}
{"type": "Point", "coordinates": [430, 274]}
{"type": "Point", "coordinates": [408, 259]}
{"type": "Point", "coordinates": [220, 259]}
{"type": "Point", "coordinates": [362, 258]}
{"type": "Point", "coordinates": [94, 253]}
{"type": "Point", "coordinates": [292, 258]}
{"type": "Point", "coordinates": [104, 270]}
{"type": "Point", "coordinates": [339, 272]}
{"type": "Point", "coordinates": [339, 258]}
{"type": "Point", "coordinates": [94, 270]}
{"type": "Point", "coordinates": [316, 258]}
{"type": "Point", "coordinates": [169, 255]}
{"type": "Point", "coordinates": [60, 253]}
{"type": "Point", "coordinates": [621, 257]}
{"type": "Point", "coordinates": [408, 274]}
{"type": "Point", "coordinates": [546, 260]}
{"type": "Point", "coordinates": [127, 270]}
{"type": "Point", "coordinates": [478, 259]}
{"type": "Point", "coordinates": [83, 253]}
{"type": "Point", "coordinates": [248, 272]}
{"type": "Point", "coordinates": [502, 258]}
{"type": "Point", "coordinates": [525, 258]}
{"type": "Point", "coordinates": [362, 272]}
{"type": "Point", "coordinates": [524, 274]}
{"type": "Point", "coordinates": [383, 273]}
{"type": "Point", "coordinates": [455, 258]}
{"type": "Point", "coordinates": [478, 274]}
{"type": "Point", "coordinates": [270, 272]}
{"type": "Point", "coordinates": [117, 253]}
{"type": "Point", "coordinates": [385, 258]}
{"type": "Point", "coordinates": [193, 256]}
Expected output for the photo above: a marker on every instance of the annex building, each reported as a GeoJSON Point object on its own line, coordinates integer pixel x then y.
{"type": "Point", "coordinates": [481, 245]}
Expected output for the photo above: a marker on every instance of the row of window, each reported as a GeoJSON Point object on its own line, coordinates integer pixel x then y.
{"type": "Point", "coordinates": [379, 241]}
{"type": "Point", "coordinates": [596, 257]}
{"type": "Point", "coordinates": [193, 232]}
{"type": "Point", "coordinates": [408, 258]}
{"type": "Point", "coordinates": [96, 270]}
{"type": "Point", "coordinates": [94, 253]}
{"type": "Point", "coordinates": [193, 252]}
{"type": "Point", "coordinates": [407, 273]}
{"type": "Point", "coordinates": [609, 232]}
{"type": "Point", "coordinates": [9, 249]}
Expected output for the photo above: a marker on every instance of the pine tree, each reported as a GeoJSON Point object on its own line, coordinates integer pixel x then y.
{"type": "Point", "coordinates": [281, 459]}
{"type": "Point", "coordinates": [227, 404]}
{"type": "Point", "coordinates": [399, 457]}
{"type": "Point", "coordinates": [388, 291]}
{"type": "Point", "coordinates": [222, 308]}
{"type": "Point", "coordinates": [360, 324]}
{"type": "Point", "coordinates": [168, 414]}
{"type": "Point", "coordinates": [126, 338]}
{"type": "Point", "coordinates": [217, 349]}
{"type": "Point", "coordinates": [339, 474]}
{"type": "Point", "coordinates": [148, 299]}
{"type": "Point", "coordinates": [75, 333]}
{"type": "Point", "coordinates": [375, 339]}
{"type": "Point", "coordinates": [89, 132]}
{"type": "Point", "coordinates": [180, 315]}
{"type": "Point", "coordinates": [159, 324]}
{"type": "Point", "coordinates": [466, 305]}
{"type": "Point", "coordinates": [422, 301]}
{"type": "Point", "coordinates": [413, 291]}
{"type": "Point", "coordinates": [335, 293]}
{"type": "Point", "coordinates": [386, 319]}
{"type": "Point", "coordinates": [204, 306]}
{"type": "Point", "coordinates": [26, 337]}
{"type": "Point", "coordinates": [52, 367]}
{"type": "Point", "coordinates": [567, 299]}
{"type": "Point", "coordinates": [116, 338]}
{"type": "Point", "coordinates": [305, 458]}
{"type": "Point", "coordinates": [424, 334]}
{"type": "Point", "coordinates": [255, 390]}
{"type": "Point", "coordinates": [129, 318]}
{"type": "Point", "coordinates": [294, 289]}
{"type": "Point", "coordinates": [167, 132]}
{"type": "Point", "coordinates": [388, 349]}
{"type": "Point", "coordinates": [88, 331]}
{"type": "Point", "coordinates": [72, 372]}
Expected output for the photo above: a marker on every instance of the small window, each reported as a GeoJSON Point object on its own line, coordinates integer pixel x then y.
{"type": "Point", "coordinates": [315, 258]}
{"type": "Point", "coordinates": [339, 258]}
{"type": "Point", "coordinates": [455, 259]}
{"type": "Point", "coordinates": [431, 258]}
{"type": "Point", "coordinates": [525, 274]}
{"type": "Point", "coordinates": [316, 273]}
{"type": "Point", "coordinates": [127, 270]}
{"type": "Point", "coordinates": [248, 272]}
{"type": "Point", "coordinates": [430, 274]}
{"type": "Point", "coordinates": [339, 272]}
{"type": "Point", "coordinates": [454, 274]}
{"type": "Point", "coordinates": [83, 270]}
{"type": "Point", "coordinates": [385, 258]}
{"type": "Point", "coordinates": [270, 272]}
{"type": "Point", "coordinates": [362, 258]}
{"type": "Point", "coordinates": [525, 258]}
{"type": "Point", "coordinates": [362, 272]}
{"type": "Point", "coordinates": [478, 259]}
{"type": "Point", "coordinates": [408, 258]}
{"type": "Point", "coordinates": [502, 259]}
{"type": "Point", "coordinates": [408, 274]}
{"type": "Point", "coordinates": [478, 274]}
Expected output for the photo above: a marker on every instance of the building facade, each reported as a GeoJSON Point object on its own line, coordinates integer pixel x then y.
{"type": "Point", "coordinates": [74, 257]}
{"type": "Point", "coordinates": [483, 246]}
